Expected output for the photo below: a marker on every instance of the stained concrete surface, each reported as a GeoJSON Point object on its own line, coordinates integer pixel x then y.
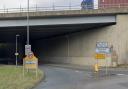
{"type": "Point", "coordinates": [64, 78]}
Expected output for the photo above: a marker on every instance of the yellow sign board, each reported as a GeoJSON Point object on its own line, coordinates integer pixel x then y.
{"type": "Point", "coordinates": [100, 56]}
{"type": "Point", "coordinates": [30, 63]}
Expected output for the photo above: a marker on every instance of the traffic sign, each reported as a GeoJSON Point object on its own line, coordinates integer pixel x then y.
{"type": "Point", "coordinates": [102, 47]}
{"type": "Point", "coordinates": [103, 50]}
{"type": "Point", "coordinates": [30, 63]}
{"type": "Point", "coordinates": [27, 49]}
{"type": "Point", "coordinates": [101, 44]}
{"type": "Point", "coordinates": [100, 56]}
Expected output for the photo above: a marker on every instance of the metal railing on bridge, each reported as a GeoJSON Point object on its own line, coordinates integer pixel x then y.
{"type": "Point", "coordinates": [62, 8]}
{"type": "Point", "coordinates": [39, 9]}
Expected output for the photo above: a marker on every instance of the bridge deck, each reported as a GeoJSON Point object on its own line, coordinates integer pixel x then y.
{"type": "Point", "coordinates": [65, 13]}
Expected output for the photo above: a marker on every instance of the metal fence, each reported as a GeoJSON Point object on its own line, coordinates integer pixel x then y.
{"type": "Point", "coordinates": [61, 8]}
{"type": "Point", "coordinates": [39, 9]}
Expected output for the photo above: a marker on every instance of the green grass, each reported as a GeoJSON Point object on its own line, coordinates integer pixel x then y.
{"type": "Point", "coordinates": [11, 77]}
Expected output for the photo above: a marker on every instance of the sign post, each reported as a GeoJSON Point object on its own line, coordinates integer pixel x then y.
{"type": "Point", "coordinates": [106, 67]}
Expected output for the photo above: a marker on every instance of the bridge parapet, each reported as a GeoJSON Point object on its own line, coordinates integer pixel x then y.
{"type": "Point", "coordinates": [65, 13]}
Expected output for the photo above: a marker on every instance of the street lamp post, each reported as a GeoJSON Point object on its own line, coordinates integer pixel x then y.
{"type": "Point", "coordinates": [16, 48]}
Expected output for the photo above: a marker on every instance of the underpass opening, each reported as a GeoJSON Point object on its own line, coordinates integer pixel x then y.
{"type": "Point", "coordinates": [8, 44]}
{"type": "Point", "coordinates": [69, 44]}
{"type": "Point", "coordinates": [45, 41]}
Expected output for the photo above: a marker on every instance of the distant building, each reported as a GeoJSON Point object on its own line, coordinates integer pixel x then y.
{"type": "Point", "coordinates": [112, 3]}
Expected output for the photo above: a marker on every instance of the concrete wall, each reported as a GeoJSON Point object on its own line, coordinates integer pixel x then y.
{"type": "Point", "coordinates": [79, 48]}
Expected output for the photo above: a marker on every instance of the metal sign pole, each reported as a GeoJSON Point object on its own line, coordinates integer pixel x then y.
{"type": "Point", "coordinates": [98, 75]}
{"type": "Point", "coordinates": [28, 31]}
{"type": "Point", "coordinates": [106, 66]}
{"type": "Point", "coordinates": [37, 68]}
{"type": "Point", "coordinates": [23, 68]}
{"type": "Point", "coordinates": [28, 24]}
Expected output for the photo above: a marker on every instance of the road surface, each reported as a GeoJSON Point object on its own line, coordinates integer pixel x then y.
{"type": "Point", "coordinates": [64, 78]}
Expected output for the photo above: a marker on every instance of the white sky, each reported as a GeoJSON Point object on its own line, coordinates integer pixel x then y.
{"type": "Point", "coordinates": [76, 4]}
{"type": "Point", "coordinates": [43, 3]}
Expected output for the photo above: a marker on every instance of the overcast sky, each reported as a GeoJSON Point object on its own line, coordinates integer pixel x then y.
{"type": "Point", "coordinates": [48, 3]}
{"type": "Point", "coordinates": [40, 3]}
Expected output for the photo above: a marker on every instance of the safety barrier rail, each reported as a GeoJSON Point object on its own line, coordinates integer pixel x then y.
{"type": "Point", "coordinates": [61, 8]}
{"type": "Point", "coordinates": [39, 9]}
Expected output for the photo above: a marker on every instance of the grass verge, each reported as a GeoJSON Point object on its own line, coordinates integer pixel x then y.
{"type": "Point", "coordinates": [11, 77]}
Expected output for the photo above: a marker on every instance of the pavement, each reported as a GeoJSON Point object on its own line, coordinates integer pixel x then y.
{"type": "Point", "coordinates": [59, 77]}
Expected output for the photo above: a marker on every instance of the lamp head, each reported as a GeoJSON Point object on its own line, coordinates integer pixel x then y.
{"type": "Point", "coordinates": [17, 35]}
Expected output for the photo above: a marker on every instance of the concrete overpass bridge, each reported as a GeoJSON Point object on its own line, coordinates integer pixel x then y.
{"type": "Point", "coordinates": [66, 36]}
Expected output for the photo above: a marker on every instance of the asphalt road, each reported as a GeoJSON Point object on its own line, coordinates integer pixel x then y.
{"type": "Point", "coordinates": [64, 78]}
